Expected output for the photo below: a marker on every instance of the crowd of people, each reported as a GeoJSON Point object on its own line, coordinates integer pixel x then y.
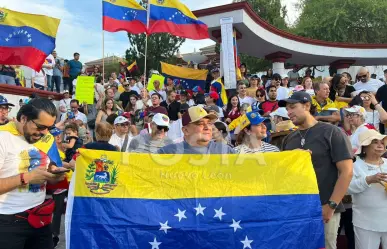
{"type": "Point", "coordinates": [340, 122]}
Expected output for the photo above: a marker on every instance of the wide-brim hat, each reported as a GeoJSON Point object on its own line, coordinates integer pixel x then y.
{"type": "Point", "coordinates": [366, 137]}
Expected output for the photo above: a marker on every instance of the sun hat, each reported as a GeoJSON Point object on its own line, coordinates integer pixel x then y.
{"type": "Point", "coordinates": [366, 137]}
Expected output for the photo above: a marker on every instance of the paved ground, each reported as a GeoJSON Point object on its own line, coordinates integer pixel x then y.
{"type": "Point", "coordinates": [62, 242]}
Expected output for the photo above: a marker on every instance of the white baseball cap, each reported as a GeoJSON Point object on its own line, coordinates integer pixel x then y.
{"type": "Point", "coordinates": [283, 76]}
{"type": "Point", "coordinates": [357, 110]}
{"type": "Point", "coordinates": [121, 120]}
{"type": "Point", "coordinates": [282, 112]}
{"type": "Point", "coordinates": [161, 119]}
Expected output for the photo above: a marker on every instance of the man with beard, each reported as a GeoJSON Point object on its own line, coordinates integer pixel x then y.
{"type": "Point", "coordinates": [4, 110]}
{"type": "Point", "coordinates": [366, 83]}
{"type": "Point", "coordinates": [271, 104]}
{"type": "Point", "coordinates": [150, 143]}
{"type": "Point", "coordinates": [331, 157]}
{"type": "Point", "coordinates": [197, 129]}
{"type": "Point", "coordinates": [24, 172]}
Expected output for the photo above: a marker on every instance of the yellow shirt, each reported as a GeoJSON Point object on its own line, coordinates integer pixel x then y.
{"type": "Point", "coordinates": [330, 104]}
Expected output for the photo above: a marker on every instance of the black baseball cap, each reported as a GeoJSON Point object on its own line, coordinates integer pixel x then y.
{"type": "Point", "coordinates": [297, 97]}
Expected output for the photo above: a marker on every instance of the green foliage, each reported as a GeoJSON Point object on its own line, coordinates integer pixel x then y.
{"type": "Point", "coordinates": [114, 174]}
{"type": "Point", "coordinates": [90, 171]}
{"type": "Point", "coordinates": [110, 68]}
{"type": "Point", "coordinates": [352, 21]}
{"type": "Point", "coordinates": [254, 64]}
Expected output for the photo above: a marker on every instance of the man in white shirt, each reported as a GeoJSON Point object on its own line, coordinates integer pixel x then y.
{"type": "Point", "coordinates": [24, 172]}
{"type": "Point", "coordinates": [66, 100]}
{"type": "Point", "coordinates": [121, 137]}
{"type": "Point", "coordinates": [133, 86]}
{"type": "Point", "coordinates": [158, 90]}
{"type": "Point", "coordinates": [74, 105]}
{"type": "Point", "coordinates": [48, 68]}
{"type": "Point", "coordinates": [293, 77]}
{"type": "Point", "coordinates": [242, 95]}
{"type": "Point", "coordinates": [366, 83]}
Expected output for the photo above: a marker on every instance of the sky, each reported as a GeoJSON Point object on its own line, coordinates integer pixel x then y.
{"type": "Point", "coordinates": [80, 29]}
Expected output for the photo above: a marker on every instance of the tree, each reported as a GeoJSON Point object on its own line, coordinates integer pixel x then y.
{"type": "Point", "coordinates": [161, 47]}
{"type": "Point", "coordinates": [273, 13]}
{"type": "Point", "coordinates": [352, 21]}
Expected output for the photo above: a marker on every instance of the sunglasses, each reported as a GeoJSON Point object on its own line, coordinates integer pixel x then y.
{"type": "Point", "coordinates": [277, 79]}
{"type": "Point", "coordinates": [40, 127]}
{"type": "Point", "coordinates": [123, 124]}
{"type": "Point", "coordinates": [351, 115]}
{"type": "Point", "coordinates": [125, 85]}
{"type": "Point", "coordinates": [160, 128]}
{"type": "Point", "coordinates": [363, 76]}
{"type": "Point", "coordinates": [365, 98]}
{"type": "Point", "coordinates": [5, 108]}
{"type": "Point", "coordinates": [260, 96]}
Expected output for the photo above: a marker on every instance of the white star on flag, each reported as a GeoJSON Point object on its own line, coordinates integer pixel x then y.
{"type": "Point", "coordinates": [123, 17]}
{"type": "Point", "coordinates": [10, 36]}
{"type": "Point", "coordinates": [6, 39]}
{"type": "Point", "coordinates": [246, 243]}
{"type": "Point", "coordinates": [14, 33]}
{"type": "Point", "coordinates": [164, 227]}
{"type": "Point", "coordinates": [219, 213]}
{"type": "Point", "coordinates": [235, 225]}
{"type": "Point", "coordinates": [155, 244]}
{"type": "Point", "coordinates": [25, 32]}
{"type": "Point", "coordinates": [180, 214]}
{"type": "Point", "coordinates": [199, 210]}
{"type": "Point", "coordinates": [30, 40]}
{"type": "Point", "coordinates": [29, 35]}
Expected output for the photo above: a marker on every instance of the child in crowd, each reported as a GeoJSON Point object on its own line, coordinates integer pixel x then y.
{"type": "Point", "coordinates": [83, 133]}
{"type": "Point", "coordinates": [73, 141]}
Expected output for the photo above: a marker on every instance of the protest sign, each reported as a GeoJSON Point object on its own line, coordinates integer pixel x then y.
{"type": "Point", "coordinates": [85, 89]}
{"type": "Point", "coordinates": [154, 77]}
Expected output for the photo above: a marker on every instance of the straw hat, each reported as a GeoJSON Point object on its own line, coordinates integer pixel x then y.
{"type": "Point", "coordinates": [366, 137]}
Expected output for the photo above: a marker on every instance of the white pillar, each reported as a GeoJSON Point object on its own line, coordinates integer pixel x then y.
{"type": "Point", "coordinates": [228, 60]}
{"type": "Point", "coordinates": [279, 67]}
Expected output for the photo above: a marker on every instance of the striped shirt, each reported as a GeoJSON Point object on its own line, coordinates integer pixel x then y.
{"type": "Point", "coordinates": [265, 147]}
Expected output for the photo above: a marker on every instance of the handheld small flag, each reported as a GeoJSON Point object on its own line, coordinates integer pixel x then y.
{"type": "Point", "coordinates": [132, 67]}
{"type": "Point", "coordinates": [26, 39]}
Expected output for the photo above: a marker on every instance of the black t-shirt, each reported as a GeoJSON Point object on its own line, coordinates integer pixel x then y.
{"type": "Point", "coordinates": [329, 145]}
{"type": "Point", "coordinates": [173, 109]}
{"type": "Point", "coordinates": [347, 93]}
{"type": "Point", "coordinates": [125, 97]}
{"type": "Point", "coordinates": [100, 146]}
{"type": "Point", "coordinates": [381, 96]}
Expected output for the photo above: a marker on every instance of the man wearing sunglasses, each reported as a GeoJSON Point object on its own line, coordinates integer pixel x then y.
{"type": "Point", "coordinates": [366, 83]}
{"type": "Point", "coordinates": [24, 172]}
{"type": "Point", "coordinates": [125, 96]}
{"type": "Point", "coordinates": [156, 139]}
{"type": "Point", "coordinates": [5, 108]}
{"type": "Point", "coordinates": [122, 135]}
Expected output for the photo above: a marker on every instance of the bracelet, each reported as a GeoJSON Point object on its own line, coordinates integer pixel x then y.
{"type": "Point", "coordinates": [22, 180]}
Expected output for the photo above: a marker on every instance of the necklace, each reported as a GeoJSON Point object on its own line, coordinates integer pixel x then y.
{"type": "Point", "coordinates": [303, 137]}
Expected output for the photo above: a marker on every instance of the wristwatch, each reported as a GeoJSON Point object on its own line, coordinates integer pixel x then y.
{"type": "Point", "coordinates": [22, 180]}
{"type": "Point", "coordinates": [332, 204]}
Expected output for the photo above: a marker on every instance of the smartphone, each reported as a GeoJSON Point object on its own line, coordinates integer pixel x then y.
{"type": "Point", "coordinates": [61, 171]}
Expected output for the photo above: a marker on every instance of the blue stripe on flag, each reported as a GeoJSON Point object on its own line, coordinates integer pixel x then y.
{"type": "Point", "coordinates": [123, 13]}
{"type": "Point", "coordinates": [272, 222]}
{"type": "Point", "coordinates": [186, 83]}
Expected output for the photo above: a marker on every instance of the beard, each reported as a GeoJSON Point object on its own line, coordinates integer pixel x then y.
{"type": "Point", "coordinates": [29, 136]}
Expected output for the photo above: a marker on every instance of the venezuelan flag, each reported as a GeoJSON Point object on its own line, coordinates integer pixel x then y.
{"type": "Point", "coordinates": [26, 39]}
{"type": "Point", "coordinates": [126, 15]}
{"type": "Point", "coordinates": [237, 60]}
{"type": "Point", "coordinates": [267, 200]}
{"type": "Point", "coordinates": [132, 67]}
{"type": "Point", "coordinates": [188, 77]}
{"type": "Point", "coordinates": [171, 16]}
{"type": "Point", "coordinates": [218, 86]}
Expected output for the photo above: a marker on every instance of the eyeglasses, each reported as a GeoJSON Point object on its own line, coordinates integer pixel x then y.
{"type": "Point", "coordinates": [365, 98]}
{"type": "Point", "coordinates": [260, 96]}
{"type": "Point", "coordinates": [40, 127]}
{"type": "Point", "coordinates": [352, 115]}
{"type": "Point", "coordinates": [363, 76]}
{"type": "Point", "coordinates": [277, 79]}
{"type": "Point", "coordinates": [123, 124]}
{"type": "Point", "coordinates": [160, 128]}
{"type": "Point", "coordinates": [5, 108]}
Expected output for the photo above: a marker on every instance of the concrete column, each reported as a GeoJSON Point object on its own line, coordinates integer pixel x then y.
{"type": "Point", "coordinates": [278, 59]}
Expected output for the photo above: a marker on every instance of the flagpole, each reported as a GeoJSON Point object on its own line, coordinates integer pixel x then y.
{"type": "Point", "coordinates": [146, 41]}
{"type": "Point", "coordinates": [103, 56]}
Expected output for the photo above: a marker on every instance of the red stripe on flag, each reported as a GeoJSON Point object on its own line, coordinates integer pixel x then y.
{"type": "Point", "coordinates": [113, 25]}
{"type": "Point", "coordinates": [27, 56]}
{"type": "Point", "coordinates": [190, 31]}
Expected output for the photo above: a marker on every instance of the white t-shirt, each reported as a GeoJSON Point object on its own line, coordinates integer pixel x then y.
{"type": "Point", "coordinates": [81, 116]}
{"type": "Point", "coordinates": [355, 137]}
{"type": "Point", "coordinates": [18, 156]}
{"type": "Point", "coordinates": [247, 100]}
{"type": "Point", "coordinates": [140, 104]}
{"type": "Point", "coordinates": [310, 92]}
{"type": "Point", "coordinates": [371, 86]}
{"type": "Point", "coordinates": [135, 88]}
{"type": "Point", "coordinates": [369, 201]}
{"type": "Point", "coordinates": [39, 77]}
{"type": "Point", "coordinates": [119, 141]}
{"type": "Point", "coordinates": [373, 118]}
{"type": "Point", "coordinates": [50, 60]}
{"type": "Point", "coordinates": [161, 92]}
{"type": "Point", "coordinates": [100, 89]}
{"type": "Point", "coordinates": [140, 85]}
{"type": "Point", "coordinates": [65, 102]}
{"type": "Point", "coordinates": [283, 93]}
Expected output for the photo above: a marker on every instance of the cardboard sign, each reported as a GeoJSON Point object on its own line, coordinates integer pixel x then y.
{"type": "Point", "coordinates": [84, 91]}
{"type": "Point", "coordinates": [154, 77]}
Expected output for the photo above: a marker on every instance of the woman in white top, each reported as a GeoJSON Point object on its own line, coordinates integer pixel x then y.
{"type": "Point", "coordinates": [375, 112]}
{"type": "Point", "coordinates": [108, 108]}
{"type": "Point", "coordinates": [307, 83]}
{"type": "Point", "coordinates": [368, 190]}
{"type": "Point", "coordinates": [283, 91]}
{"type": "Point", "coordinates": [145, 100]}
{"type": "Point", "coordinates": [39, 80]}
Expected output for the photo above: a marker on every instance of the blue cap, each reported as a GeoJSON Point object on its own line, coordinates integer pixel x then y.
{"type": "Point", "coordinates": [55, 131]}
{"type": "Point", "coordinates": [70, 115]}
{"type": "Point", "coordinates": [255, 118]}
{"type": "Point", "coordinates": [197, 89]}
{"type": "Point", "coordinates": [4, 101]}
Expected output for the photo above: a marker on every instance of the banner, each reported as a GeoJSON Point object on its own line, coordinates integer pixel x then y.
{"type": "Point", "coordinates": [122, 200]}
{"type": "Point", "coordinates": [84, 91]}
{"type": "Point", "coordinates": [188, 78]}
{"type": "Point", "coordinates": [228, 63]}
{"type": "Point", "coordinates": [154, 77]}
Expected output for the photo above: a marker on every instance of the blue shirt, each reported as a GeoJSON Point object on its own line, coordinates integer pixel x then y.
{"type": "Point", "coordinates": [57, 71]}
{"type": "Point", "coordinates": [75, 68]}
{"type": "Point", "coordinates": [185, 148]}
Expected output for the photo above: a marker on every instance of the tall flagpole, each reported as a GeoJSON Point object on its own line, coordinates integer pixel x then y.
{"type": "Point", "coordinates": [146, 40]}
{"type": "Point", "coordinates": [103, 56]}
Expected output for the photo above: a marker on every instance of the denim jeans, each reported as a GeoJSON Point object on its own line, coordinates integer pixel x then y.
{"type": "Point", "coordinates": [56, 81]}
{"type": "Point", "coordinates": [5, 79]}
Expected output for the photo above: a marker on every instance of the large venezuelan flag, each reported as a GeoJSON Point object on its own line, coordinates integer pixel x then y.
{"type": "Point", "coordinates": [121, 200]}
{"type": "Point", "coordinates": [26, 39]}
{"type": "Point", "coordinates": [171, 16]}
{"type": "Point", "coordinates": [188, 77]}
{"type": "Point", "coordinates": [124, 15]}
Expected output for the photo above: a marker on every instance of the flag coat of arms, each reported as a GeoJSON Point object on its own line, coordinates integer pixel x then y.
{"type": "Point", "coordinates": [26, 39]}
{"type": "Point", "coordinates": [267, 200]}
